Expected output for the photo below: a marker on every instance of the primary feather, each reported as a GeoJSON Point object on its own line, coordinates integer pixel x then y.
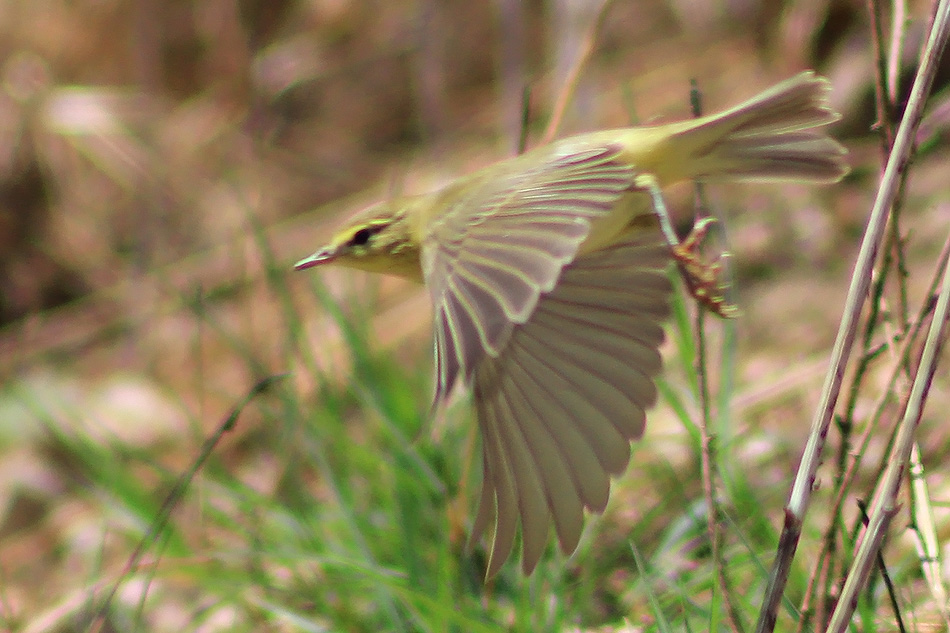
{"type": "Point", "coordinates": [568, 394]}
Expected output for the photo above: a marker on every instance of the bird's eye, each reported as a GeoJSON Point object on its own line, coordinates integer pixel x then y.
{"type": "Point", "coordinates": [361, 237]}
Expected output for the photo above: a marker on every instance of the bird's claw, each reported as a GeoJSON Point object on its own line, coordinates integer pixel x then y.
{"type": "Point", "coordinates": [705, 280]}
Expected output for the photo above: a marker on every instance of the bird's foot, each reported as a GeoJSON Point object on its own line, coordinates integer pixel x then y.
{"type": "Point", "coordinates": [704, 279]}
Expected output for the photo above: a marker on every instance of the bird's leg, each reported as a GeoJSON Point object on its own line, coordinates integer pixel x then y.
{"type": "Point", "coordinates": [705, 280]}
{"type": "Point", "coordinates": [646, 183]}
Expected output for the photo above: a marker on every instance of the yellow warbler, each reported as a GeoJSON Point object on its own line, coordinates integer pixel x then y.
{"type": "Point", "coordinates": [547, 274]}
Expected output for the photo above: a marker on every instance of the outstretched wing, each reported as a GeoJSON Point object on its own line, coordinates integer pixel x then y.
{"type": "Point", "coordinates": [560, 403]}
{"type": "Point", "coordinates": [502, 242]}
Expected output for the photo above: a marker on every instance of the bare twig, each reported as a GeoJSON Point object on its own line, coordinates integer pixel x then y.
{"type": "Point", "coordinates": [708, 451]}
{"type": "Point", "coordinates": [846, 460]}
{"type": "Point", "coordinates": [801, 491]}
{"type": "Point", "coordinates": [888, 582]}
{"type": "Point", "coordinates": [821, 575]}
{"type": "Point", "coordinates": [884, 507]}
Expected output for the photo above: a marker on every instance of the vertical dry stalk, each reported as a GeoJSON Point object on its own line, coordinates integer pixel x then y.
{"type": "Point", "coordinates": [831, 562]}
{"type": "Point", "coordinates": [801, 491]}
{"type": "Point", "coordinates": [885, 498]}
{"type": "Point", "coordinates": [821, 575]}
{"type": "Point", "coordinates": [708, 453]}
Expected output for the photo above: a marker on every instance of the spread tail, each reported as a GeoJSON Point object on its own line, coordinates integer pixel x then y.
{"type": "Point", "coordinates": [778, 135]}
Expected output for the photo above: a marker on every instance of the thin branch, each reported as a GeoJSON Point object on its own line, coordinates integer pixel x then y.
{"type": "Point", "coordinates": [821, 575]}
{"type": "Point", "coordinates": [846, 458]}
{"type": "Point", "coordinates": [885, 507]}
{"type": "Point", "coordinates": [888, 583]}
{"type": "Point", "coordinates": [805, 480]}
{"type": "Point", "coordinates": [708, 451]}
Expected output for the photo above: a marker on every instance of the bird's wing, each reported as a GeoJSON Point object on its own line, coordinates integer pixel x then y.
{"type": "Point", "coordinates": [561, 402]}
{"type": "Point", "coordinates": [502, 243]}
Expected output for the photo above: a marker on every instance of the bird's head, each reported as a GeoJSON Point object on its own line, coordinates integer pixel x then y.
{"type": "Point", "coordinates": [379, 239]}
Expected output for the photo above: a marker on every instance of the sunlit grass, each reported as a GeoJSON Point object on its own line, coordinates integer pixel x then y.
{"type": "Point", "coordinates": [359, 519]}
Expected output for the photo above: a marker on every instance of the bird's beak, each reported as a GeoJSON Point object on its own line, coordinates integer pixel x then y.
{"type": "Point", "coordinates": [323, 256]}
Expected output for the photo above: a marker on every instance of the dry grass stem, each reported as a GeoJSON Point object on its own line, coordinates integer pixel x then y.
{"type": "Point", "coordinates": [924, 528]}
{"type": "Point", "coordinates": [805, 479]}
{"type": "Point", "coordinates": [708, 458]}
{"type": "Point", "coordinates": [884, 508]}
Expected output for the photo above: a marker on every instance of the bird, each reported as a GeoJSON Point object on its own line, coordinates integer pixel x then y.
{"type": "Point", "coordinates": [548, 276]}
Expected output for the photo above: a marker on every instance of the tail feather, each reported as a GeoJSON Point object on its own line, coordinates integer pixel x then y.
{"type": "Point", "coordinates": [800, 156]}
{"type": "Point", "coordinates": [778, 135]}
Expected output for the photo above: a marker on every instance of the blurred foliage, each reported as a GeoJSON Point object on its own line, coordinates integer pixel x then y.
{"type": "Point", "coordinates": [136, 133]}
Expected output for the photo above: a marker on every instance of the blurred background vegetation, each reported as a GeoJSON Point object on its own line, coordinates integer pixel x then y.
{"type": "Point", "coordinates": [162, 164]}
